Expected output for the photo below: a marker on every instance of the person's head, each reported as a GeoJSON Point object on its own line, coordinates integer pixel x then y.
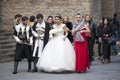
{"type": "Point", "coordinates": [78, 17]}
{"type": "Point", "coordinates": [65, 18]}
{"type": "Point", "coordinates": [115, 15]}
{"type": "Point", "coordinates": [18, 17]}
{"type": "Point", "coordinates": [32, 18]}
{"type": "Point", "coordinates": [87, 18]}
{"type": "Point", "coordinates": [58, 19]}
{"type": "Point", "coordinates": [105, 21]}
{"type": "Point", "coordinates": [39, 18]}
{"type": "Point", "coordinates": [25, 20]}
{"type": "Point", "coordinates": [50, 19]}
{"type": "Point", "coordinates": [100, 20]}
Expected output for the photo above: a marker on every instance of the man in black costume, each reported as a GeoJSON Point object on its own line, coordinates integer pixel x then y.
{"type": "Point", "coordinates": [41, 37]}
{"type": "Point", "coordinates": [23, 38]}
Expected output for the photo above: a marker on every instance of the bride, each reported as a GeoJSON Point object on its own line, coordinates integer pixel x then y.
{"type": "Point", "coordinates": [58, 55]}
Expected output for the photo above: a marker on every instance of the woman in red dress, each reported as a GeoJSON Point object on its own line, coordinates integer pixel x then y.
{"type": "Point", "coordinates": [80, 45]}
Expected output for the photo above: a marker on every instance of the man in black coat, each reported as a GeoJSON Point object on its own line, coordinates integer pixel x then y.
{"type": "Point", "coordinates": [41, 37]}
{"type": "Point", "coordinates": [23, 38]}
{"type": "Point", "coordinates": [91, 36]}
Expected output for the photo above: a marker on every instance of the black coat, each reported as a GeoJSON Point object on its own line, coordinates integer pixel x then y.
{"type": "Point", "coordinates": [99, 30]}
{"type": "Point", "coordinates": [46, 36]}
{"type": "Point", "coordinates": [106, 30]}
{"type": "Point", "coordinates": [69, 26]}
{"type": "Point", "coordinates": [93, 29]}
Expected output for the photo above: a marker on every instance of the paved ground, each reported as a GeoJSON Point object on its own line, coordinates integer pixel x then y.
{"type": "Point", "coordinates": [98, 71]}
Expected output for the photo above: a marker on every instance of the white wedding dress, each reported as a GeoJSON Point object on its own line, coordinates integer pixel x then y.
{"type": "Point", "coordinates": [58, 55]}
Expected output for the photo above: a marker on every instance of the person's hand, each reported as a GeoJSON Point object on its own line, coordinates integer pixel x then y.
{"type": "Point", "coordinates": [38, 37]}
{"type": "Point", "coordinates": [30, 44]}
{"type": "Point", "coordinates": [81, 31]}
{"type": "Point", "coordinates": [69, 30]}
{"type": "Point", "coordinates": [64, 38]}
{"type": "Point", "coordinates": [118, 43]}
{"type": "Point", "coordinates": [20, 42]}
{"type": "Point", "coordinates": [73, 32]}
{"type": "Point", "coordinates": [106, 35]}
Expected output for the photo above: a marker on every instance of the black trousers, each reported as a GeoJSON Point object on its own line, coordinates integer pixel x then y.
{"type": "Point", "coordinates": [106, 49]}
{"type": "Point", "coordinates": [35, 61]}
{"type": "Point", "coordinates": [99, 48]}
{"type": "Point", "coordinates": [22, 51]}
{"type": "Point", "coordinates": [91, 42]}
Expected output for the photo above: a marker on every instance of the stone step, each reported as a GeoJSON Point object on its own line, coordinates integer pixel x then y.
{"type": "Point", "coordinates": [3, 38]}
{"type": "Point", "coordinates": [2, 30]}
{"type": "Point", "coordinates": [6, 37]}
{"type": "Point", "coordinates": [6, 33]}
{"type": "Point", "coordinates": [6, 46]}
{"type": "Point", "coordinates": [2, 51]}
{"type": "Point", "coordinates": [7, 41]}
{"type": "Point", "coordinates": [7, 57]}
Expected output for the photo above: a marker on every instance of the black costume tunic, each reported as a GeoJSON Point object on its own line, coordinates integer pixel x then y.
{"type": "Point", "coordinates": [23, 33]}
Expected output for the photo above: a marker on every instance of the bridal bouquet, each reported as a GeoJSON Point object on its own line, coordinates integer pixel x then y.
{"type": "Point", "coordinates": [53, 32]}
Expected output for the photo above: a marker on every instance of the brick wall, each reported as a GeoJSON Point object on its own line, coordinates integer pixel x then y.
{"type": "Point", "coordinates": [96, 8]}
{"type": "Point", "coordinates": [109, 7]}
{"type": "Point", "coordinates": [8, 8]}
{"type": "Point", "coordinates": [49, 7]}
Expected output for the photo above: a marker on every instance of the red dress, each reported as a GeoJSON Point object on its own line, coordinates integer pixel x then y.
{"type": "Point", "coordinates": [82, 56]}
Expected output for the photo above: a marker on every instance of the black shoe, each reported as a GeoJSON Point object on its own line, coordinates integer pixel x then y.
{"type": "Point", "coordinates": [15, 72]}
{"type": "Point", "coordinates": [29, 70]}
{"type": "Point", "coordinates": [42, 71]}
{"type": "Point", "coordinates": [15, 67]}
{"type": "Point", "coordinates": [34, 70]}
{"type": "Point", "coordinates": [92, 59]}
{"type": "Point", "coordinates": [91, 63]}
{"type": "Point", "coordinates": [99, 58]}
{"type": "Point", "coordinates": [103, 61]}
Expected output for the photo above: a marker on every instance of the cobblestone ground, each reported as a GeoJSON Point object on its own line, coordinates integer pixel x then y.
{"type": "Point", "coordinates": [98, 71]}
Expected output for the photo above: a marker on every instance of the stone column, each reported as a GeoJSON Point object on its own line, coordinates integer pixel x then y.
{"type": "Point", "coordinates": [117, 6]}
{"type": "Point", "coordinates": [108, 8]}
{"type": "Point", "coordinates": [96, 9]}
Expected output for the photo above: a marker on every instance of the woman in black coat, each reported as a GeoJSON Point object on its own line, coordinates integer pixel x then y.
{"type": "Point", "coordinates": [106, 33]}
{"type": "Point", "coordinates": [69, 27]}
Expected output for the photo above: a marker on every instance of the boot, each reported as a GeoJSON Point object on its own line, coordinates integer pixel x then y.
{"type": "Point", "coordinates": [109, 61]}
{"type": "Point", "coordinates": [35, 68]}
{"type": "Point", "coordinates": [29, 66]}
{"type": "Point", "coordinates": [106, 60]}
{"type": "Point", "coordinates": [15, 67]}
{"type": "Point", "coordinates": [103, 61]}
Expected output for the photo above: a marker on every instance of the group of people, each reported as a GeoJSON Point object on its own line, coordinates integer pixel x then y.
{"type": "Point", "coordinates": [108, 37]}
{"type": "Point", "coordinates": [57, 45]}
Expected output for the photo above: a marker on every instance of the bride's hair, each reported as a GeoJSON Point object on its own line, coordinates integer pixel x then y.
{"type": "Point", "coordinates": [59, 16]}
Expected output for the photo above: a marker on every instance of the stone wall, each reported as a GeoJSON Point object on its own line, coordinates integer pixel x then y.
{"type": "Point", "coordinates": [117, 6]}
{"type": "Point", "coordinates": [96, 8]}
{"type": "Point", "coordinates": [109, 7]}
{"type": "Point", "coordinates": [49, 7]}
{"type": "Point", "coordinates": [8, 8]}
